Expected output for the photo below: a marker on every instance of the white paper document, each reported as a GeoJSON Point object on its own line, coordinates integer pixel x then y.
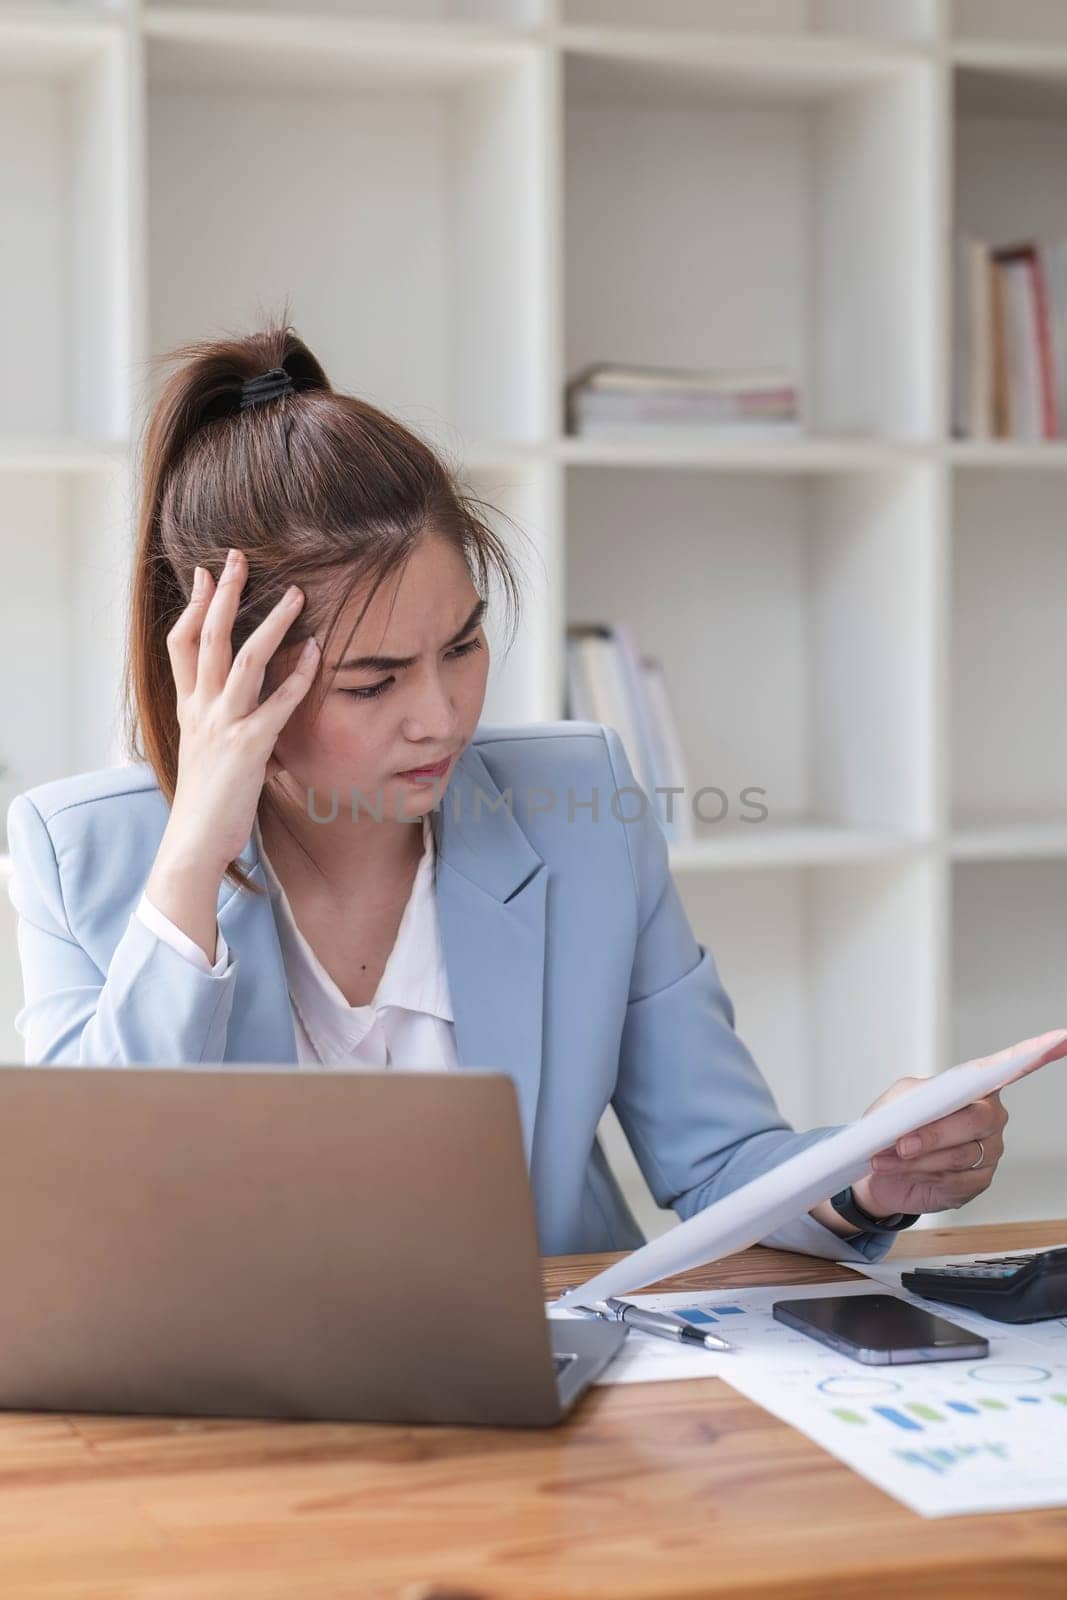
{"type": "Point", "coordinates": [944, 1437]}
{"type": "Point", "coordinates": [746, 1215]}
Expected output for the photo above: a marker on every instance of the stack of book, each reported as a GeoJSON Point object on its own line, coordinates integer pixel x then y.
{"type": "Point", "coordinates": [604, 399]}
{"type": "Point", "coordinates": [1011, 340]}
{"type": "Point", "coordinates": [610, 681]}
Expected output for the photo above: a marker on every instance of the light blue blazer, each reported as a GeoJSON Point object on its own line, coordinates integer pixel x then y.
{"type": "Point", "coordinates": [571, 964]}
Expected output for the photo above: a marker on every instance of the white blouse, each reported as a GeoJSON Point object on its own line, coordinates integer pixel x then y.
{"type": "Point", "coordinates": [409, 1023]}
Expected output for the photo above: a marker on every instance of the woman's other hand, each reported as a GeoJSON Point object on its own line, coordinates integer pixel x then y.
{"type": "Point", "coordinates": [936, 1167]}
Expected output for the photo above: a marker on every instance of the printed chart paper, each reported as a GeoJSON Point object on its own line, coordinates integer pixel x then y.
{"type": "Point", "coordinates": [945, 1438]}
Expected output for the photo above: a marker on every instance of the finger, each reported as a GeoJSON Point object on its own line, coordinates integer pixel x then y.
{"type": "Point", "coordinates": [250, 663]}
{"type": "Point", "coordinates": [958, 1158]}
{"type": "Point", "coordinates": [999, 1108]}
{"type": "Point", "coordinates": [1044, 1047]}
{"type": "Point", "coordinates": [278, 707]}
{"type": "Point", "coordinates": [216, 646]}
{"type": "Point", "coordinates": [183, 639]}
{"type": "Point", "coordinates": [976, 1121]}
{"type": "Point", "coordinates": [998, 1119]}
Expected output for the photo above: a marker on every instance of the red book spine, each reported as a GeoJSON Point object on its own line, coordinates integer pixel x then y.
{"type": "Point", "coordinates": [1050, 421]}
{"type": "Point", "coordinates": [1049, 398]}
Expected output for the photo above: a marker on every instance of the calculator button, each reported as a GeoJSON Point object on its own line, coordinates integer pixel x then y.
{"type": "Point", "coordinates": [985, 1270]}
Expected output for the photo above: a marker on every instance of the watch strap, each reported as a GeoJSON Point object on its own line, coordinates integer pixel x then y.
{"type": "Point", "coordinates": [846, 1205]}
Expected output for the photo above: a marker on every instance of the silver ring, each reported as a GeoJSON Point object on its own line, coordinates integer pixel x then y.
{"type": "Point", "coordinates": [981, 1156]}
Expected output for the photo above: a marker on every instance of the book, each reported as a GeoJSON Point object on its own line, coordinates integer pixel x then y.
{"type": "Point", "coordinates": [973, 392]}
{"type": "Point", "coordinates": [1010, 368]}
{"type": "Point", "coordinates": [609, 693]}
{"type": "Point", "coordinates": [1053, 259]}
{"type": "Point", "coordinates": [602, 398]}
{"type": "Point", "coordinates": [1034, 402]}
{"type": "Point", "coordinates": [1020, 349]}
{"type": "Point", "coordinates": [668, 756]}
{"type": "Point", "coordinates": [636, 378]}
{"type": "Point", "coordinates": [610, 681]}
{"type": "Point", "coordinates": [1002, 415]}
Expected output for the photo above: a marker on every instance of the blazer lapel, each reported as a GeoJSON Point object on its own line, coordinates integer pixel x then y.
{"type": "Point", "coordinates": [261, 1022]}
{"type": "Point", "coordinates": [491, 888]}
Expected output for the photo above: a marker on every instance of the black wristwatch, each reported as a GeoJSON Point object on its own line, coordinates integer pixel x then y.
{"type": "Point", "coordinates": [847, 1206]}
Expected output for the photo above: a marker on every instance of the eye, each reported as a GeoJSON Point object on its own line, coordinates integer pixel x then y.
{"type": "Point", "coordinates": [376, 689]}
{"type": "Point", "coordinates": [466, 649]}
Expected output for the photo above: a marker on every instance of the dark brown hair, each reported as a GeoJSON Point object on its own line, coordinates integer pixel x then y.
{"type": "Point", "coordinates": [312, 484]}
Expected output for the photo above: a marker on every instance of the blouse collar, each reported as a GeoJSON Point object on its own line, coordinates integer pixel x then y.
{"type": "Point", "coordinates": [414, 978]}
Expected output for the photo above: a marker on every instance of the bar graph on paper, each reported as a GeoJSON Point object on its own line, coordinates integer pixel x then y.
{"type": "Point", "coordinates": [946, 1438]}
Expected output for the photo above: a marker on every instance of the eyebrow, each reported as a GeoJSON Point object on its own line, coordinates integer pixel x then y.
{"type": "Point", "coordinates": [389, 663]}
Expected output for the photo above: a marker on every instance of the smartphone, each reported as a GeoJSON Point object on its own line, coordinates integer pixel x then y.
{"type": "Point", "coordinates": [880, 1329]}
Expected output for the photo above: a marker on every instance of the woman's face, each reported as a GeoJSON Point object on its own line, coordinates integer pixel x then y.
{"type": "Point", "coordinates": [377, 721]}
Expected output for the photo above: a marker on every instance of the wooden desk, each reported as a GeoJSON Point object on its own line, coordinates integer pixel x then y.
{"type": "Point", "coordinates": [676, 1489]}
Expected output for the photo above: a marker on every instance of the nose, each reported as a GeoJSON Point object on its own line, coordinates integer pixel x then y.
{"type": "Point", "coordinates": [433, 714]}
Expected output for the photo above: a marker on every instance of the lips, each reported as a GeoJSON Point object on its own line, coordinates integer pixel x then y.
{"type": "Point", "coordinates": [437, 771]}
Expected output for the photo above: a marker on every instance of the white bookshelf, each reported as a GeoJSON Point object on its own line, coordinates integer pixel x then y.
{"type": "Point", "coordinates": [465, 203]}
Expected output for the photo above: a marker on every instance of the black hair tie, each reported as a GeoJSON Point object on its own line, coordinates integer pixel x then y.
{"type": "Point", "coordinates": [267, 386]}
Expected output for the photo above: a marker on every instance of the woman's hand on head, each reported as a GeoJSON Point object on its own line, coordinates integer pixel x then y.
{"type": "Point", "coordinates": [227, 738]}
{"type": "Point", "coordinates": [939, 1173]}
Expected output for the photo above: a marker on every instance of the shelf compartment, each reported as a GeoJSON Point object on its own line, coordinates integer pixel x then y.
{"type": "Point", "coordinates": [815, 961]}
{"type": "Point", "coordinates": [63, 233]}
{"type": "Point", "coordinates": [410, 249]}
{"type": "Point", "coordinates": [1008, 959]}
{"type": "Point", "coordinates": [787, 220]}
{"type": "Point", "coordinates": [1023, 21]}
{"type": "Point", "coordinates": [1010, 147]}
{"type": "Point", "coordinates": [1009, 679]}
{"type": "Point", "coordinates": [1010, 143]}
{"type": "Point", "coordinates": [792, 619]}
{"type": "Point", "coordinates": [62, 620]}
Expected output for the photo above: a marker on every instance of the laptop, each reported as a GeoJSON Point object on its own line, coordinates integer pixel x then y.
{"type": "Point", "coordinates": [277, 1242]}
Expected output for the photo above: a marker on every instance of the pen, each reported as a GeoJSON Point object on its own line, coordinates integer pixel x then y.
{"type": "Point", "coordinates": [663, 1324]}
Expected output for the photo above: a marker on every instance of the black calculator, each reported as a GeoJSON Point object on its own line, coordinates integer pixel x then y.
{"type": "Point", "coordinates": [1026, 1288]}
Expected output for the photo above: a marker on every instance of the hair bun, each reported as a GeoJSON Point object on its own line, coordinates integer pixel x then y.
{"type": "Point", "coordinates": [266, 386]}
{"type": "Point", "coordinates": [298, 369]}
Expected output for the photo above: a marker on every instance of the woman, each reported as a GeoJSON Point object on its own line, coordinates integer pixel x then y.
{"type": "Point", "coordinates": [271, 880]}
